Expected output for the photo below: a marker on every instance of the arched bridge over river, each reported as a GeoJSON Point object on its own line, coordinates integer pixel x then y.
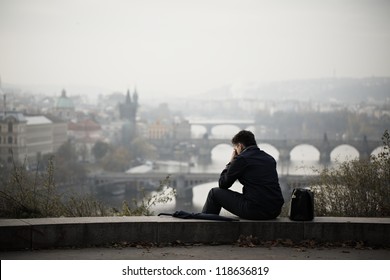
{"type": "Point", "coordinates": [325, 146]}
{"type": "Point", "coordinates": [203, 146]}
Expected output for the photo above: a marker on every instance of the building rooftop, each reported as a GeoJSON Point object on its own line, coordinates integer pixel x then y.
{"type": "Point", "coordinates": [84, 125]}
{"type": "Point", "coordinates": [4, 116]}
{"type": "Point", "coordinates": [35, 120]}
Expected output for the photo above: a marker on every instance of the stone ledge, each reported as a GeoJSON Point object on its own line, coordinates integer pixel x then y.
{"type": "Point", "coordinates": [16, 234]}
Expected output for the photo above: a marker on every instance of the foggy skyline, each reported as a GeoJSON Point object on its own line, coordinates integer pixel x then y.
{"type": "Point", "coordinates": [180, 48]}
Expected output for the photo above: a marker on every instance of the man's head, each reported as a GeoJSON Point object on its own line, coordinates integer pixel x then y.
{"type": "Point", "coordinates": [245, 138]}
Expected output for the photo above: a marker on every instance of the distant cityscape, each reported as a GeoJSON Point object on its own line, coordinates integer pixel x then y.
{"type": "Point", "coordinates": [34, 125]}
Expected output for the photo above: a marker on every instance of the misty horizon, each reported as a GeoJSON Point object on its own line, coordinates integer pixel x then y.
{"type": "Point", "coordinates": [365, 88]}
{"type": "Point", "coordinates": [184, 48]}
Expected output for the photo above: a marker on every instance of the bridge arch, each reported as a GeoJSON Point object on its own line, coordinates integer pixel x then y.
{"type": "Point", "coordinates": [305, 152]}
{"type": "Point", "coordinates": [377, 150]}
{"type": "Point", "coordinates": [221, 147]}
{"type": "Point", "coordinates": [220, 154]}
{"type": "Point", "coordinates": [344, 152]}
{"type": "Point", "coordinates": [224, 131]}
{"type": "Point", "coordinates": [198, 131]}
{"type": "Point", "coordinates": [210, 125]}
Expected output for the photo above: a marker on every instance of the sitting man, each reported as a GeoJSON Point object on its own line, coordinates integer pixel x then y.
{"type": "Point", "coordinates": [261, 196]}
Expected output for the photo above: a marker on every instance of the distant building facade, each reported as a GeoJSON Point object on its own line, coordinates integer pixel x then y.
{"type": "Point", "coordinates": [29, 137]}
{"type": "Point", "coordinates": [182, 130]}
{"type": "Point", "coordinates": [165, 130]}
{"type": "Point", "coordinates": [12, 137]}
{"type": "Point", "coordinates": [60, 132]}
{"type": "Point", "coordinates": [85, 134]}
{"type": "Point", "coordinates": [159, 130]}
{"type": "Point", "coordinates": [39, 138]}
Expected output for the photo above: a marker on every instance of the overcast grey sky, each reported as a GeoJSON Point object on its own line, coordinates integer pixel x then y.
{"type": "Point", "coordinates": [184, 47]}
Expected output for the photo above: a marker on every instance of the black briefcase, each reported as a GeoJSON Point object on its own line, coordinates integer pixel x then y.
{"type": "Point", "coordinates": [302, 205]}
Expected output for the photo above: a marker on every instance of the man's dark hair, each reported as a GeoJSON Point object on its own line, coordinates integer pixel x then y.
{"type": "Point", "coordinates": [245, 137]}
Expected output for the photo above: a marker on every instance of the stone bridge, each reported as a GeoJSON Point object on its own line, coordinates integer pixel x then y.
{"type": "Point", "coordinates": [203, 147]}
{"type": "Point", "coordinates": [325, 147]}
{"type": "Point", "coordinates": [209, 125]}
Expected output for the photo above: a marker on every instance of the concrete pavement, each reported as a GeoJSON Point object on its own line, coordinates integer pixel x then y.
{"type": "Point", "coordinates": [202, 252]}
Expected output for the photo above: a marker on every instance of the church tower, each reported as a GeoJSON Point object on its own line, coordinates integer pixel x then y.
{"type": "Point", "coordinates": [128, 109]}
{"type": "Point", "coordinates": [128, 113]}
{"type": "Point", "coordinates": [64, 108]}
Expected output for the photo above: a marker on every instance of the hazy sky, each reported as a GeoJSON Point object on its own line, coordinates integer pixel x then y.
{"type": "Point", "coordinates": [185, 47]}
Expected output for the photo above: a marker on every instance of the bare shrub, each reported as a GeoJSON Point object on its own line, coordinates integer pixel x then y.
{"type": "Point", "coordinates": [164, 194]}
{"type": "Point", "coordinates": [34, 195]}
{"type": "Point", "coordinates": [356, 187]}
{"type": "Point", "coordinates": [28, 195]}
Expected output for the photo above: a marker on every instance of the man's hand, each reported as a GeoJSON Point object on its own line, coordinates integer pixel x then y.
{"type": "Point", "coordinates": [234, 154]}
